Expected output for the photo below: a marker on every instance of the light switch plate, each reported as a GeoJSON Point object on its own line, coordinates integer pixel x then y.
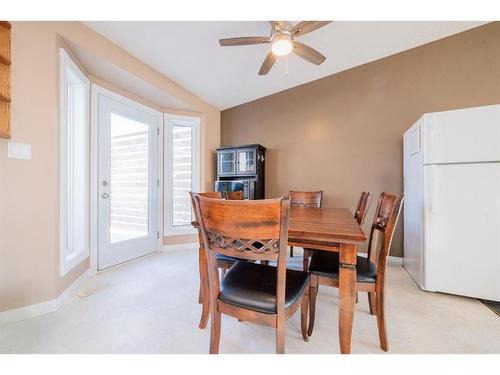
{"type": "Point", "coordinates": [17, 150]}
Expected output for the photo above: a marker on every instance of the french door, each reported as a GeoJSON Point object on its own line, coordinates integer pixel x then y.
{"type": "Point", "coordinates": [128, 192]}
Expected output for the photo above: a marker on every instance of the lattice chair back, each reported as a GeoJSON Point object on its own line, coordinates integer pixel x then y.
{"type": "Point", "coordinates": [364, 202]}
{"type": "Point", "coordinates": [383, 228]}
{"type": "Point", "coordinates": [305, 198]}
{"type": "Point", "coordinates": [249, 229]}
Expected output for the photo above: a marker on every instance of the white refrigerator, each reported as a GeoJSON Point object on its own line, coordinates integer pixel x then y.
{"type": "Point", "coordinates": [452, 202]}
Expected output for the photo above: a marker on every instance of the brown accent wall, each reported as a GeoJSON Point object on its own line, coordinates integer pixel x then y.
{"type": "Point", "coordinates": [343, 133]}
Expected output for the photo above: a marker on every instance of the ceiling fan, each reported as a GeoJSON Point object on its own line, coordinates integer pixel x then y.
{"type": "Point", "coordinates": [282, 39]}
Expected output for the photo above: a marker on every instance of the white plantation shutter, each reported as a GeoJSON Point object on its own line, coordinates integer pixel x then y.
{"type": "Point", "coordinates": [74, 168]}
{"type": "Point", "coordinates": [181, 146]}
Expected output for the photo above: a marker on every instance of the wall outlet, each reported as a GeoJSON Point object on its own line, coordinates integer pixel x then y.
{"type": "Point", "coordinates": [17, 150]}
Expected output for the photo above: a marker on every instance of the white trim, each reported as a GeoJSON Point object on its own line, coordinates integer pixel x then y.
{"type": "Point", "coordinates": [27, 312]}
{"type": "Point", "coordinates": [181, 246]}
{"type": "Point", "coordinates": [31, 311]}
{"type": "Point", "coordinates": [94, 177]}
{"type": "Point", "coordinates": [71, 290]}
{"type": "Point", "coordinates": [70, 259]}
{"type": "Point", "coordinates": [395, 261]}
{"type": "Point", "coordinates": [194, 122]}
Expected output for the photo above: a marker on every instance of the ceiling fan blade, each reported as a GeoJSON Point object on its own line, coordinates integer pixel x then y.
{"type": "Point", "coordinates": [244, 40]}
{"type": "Point", "coordinates": [267, 64]}
{"type": "Point", "coordinates": [305, 27]}
{"type": "Point", "coordinates": [308, 53]}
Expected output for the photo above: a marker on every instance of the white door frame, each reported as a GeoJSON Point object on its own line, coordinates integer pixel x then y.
{"type": "Point", "coordinates": [97, 90]}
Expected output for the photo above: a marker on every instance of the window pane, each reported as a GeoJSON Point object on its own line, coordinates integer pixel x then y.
{"type": "Point", "coordinates": [76, 169]}
{"type": "Point", "coordinates": [182, 153]}
{"type": "Point", "coordinates": [129, 179]}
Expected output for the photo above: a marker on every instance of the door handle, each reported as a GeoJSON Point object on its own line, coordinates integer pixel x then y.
{"type": "Point", "coordinates": [105, 195]}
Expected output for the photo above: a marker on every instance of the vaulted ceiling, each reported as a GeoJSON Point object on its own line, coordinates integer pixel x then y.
{"type": "Point", "coordinates": [188, 52]}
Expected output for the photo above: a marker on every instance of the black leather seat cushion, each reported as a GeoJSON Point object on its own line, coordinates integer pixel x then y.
{"type": "Point", "coordinates": [253, 286]}
{"type": "Point", "coordinates": [228, 259]}
{"type": "Point", "coordinates": [326, 263]}
{"type": "Point", "coordinates": [225, 258]}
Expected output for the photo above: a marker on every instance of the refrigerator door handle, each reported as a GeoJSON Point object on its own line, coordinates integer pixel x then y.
{"type": "Point", "coordinates": [433, 188]}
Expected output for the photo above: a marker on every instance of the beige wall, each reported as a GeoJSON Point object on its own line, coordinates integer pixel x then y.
{"type": "Point", "coordinates": [343, 133]}
{"type": "Point", "coordinates": [29, 192]}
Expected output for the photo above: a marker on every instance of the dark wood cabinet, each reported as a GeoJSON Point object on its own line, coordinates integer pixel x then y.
{"type": "Point", "coordinates": [242, 168]}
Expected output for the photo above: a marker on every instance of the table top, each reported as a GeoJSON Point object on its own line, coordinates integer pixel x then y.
{"type": "Point", "coordinates": [309, 225]}
{"type": "Point", "coordinates": [324, 225]}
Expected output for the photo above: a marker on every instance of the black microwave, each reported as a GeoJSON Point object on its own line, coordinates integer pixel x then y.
{"type": "Point", "coordinates": [246, 186]}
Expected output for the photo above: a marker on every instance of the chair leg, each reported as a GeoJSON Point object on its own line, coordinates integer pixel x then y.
{"type": "Point", "coordinates": [305, 260]}
{"type": "Point", "coordinates": [371, 302]}
{"type": "Point", "coordinates": [313, 292]}
{"type": "Point", "coordinates": [215, 331]}
{"type": "Point", "coordinates": [200, 298]}
{"type": "Point", "coordinates": [357, 300]}
{"type": "Point", "coordinates": [204, 295]}
{"type": "Point", "coordinates": [280, 335]}
{"type": "Point", "coordinates": [291, 251]}
{"type": "Point", "coordinates": [382, 329]}
{"type": "Point", "coordinates": [303, 315]}
{"type": "Point", "coordinates": [205, 309]}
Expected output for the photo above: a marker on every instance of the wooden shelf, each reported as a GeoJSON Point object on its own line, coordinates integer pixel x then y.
{"type": "Point", "coordinates": [4, 60]}
{"type": "Point", "coordinates": [5, 76]}
{"type": "Point", "coordinates": [4, 98]}
{"type": "Point", "coordinates": [4, 120]}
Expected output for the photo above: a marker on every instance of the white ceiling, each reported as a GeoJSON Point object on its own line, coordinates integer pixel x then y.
{"type": "Point", "coordinates": [188, 52]}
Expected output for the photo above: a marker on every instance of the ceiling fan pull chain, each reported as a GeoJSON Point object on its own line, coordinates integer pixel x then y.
{"type": "Point", "coordinates": [286, 65]}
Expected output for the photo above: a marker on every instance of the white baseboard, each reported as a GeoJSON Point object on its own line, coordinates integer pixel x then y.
{"type": "Point", "coordinates": [26, 312]}
{"type": "Point", "coordinates": [181, 246]}
{"type": "Point", "coordinates": [395, 261]}
{"type": "Point", "coordinates": [31, 311]}
{"type": "Point", "coordinates": [70, 291]}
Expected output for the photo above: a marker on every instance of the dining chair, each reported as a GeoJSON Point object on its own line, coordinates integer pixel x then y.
{"type": "Point", "coordinates": [364, 202]}
{"type": "Point", "coordinates": [251, 292]}
{"type": "Point", "coordinates": [235, 195]}
{"type": "Point", "coordinates": [223, 262]}
{"type": "Point", "coordinates": [370, 270]}
{"type": "Point", "coordinates": [304, 199]}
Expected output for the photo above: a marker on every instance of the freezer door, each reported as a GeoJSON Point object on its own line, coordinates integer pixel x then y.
{"type": "Point", "coordinates": [462, 229]}
{"type": "Point", "coordinates": [462, 136]}
{"type": "Point", "coordinates": [413, 203]}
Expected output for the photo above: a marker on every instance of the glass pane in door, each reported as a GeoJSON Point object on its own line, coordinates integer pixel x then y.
{"type": "Point", "coordinates": [182, 178]}
{"type": "Point", "coordinates": [226, 162]}
{"type": "Point", "coordinates": [246, 161]}
{"type": "Point", "coordinates": [129, 179]}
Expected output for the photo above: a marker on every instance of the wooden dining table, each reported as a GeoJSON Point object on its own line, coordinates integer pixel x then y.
{"type": "Point", "coordinates": [329, 229]}
{"type": "Point", "coordinates": [332, 229]}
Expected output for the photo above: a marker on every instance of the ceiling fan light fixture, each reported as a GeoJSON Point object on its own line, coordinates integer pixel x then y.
{"type": "Point", "coordinates": [282, 45]}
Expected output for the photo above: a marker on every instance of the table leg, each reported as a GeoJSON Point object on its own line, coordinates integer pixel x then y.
{"type": "Point", "coordinates": [347, 291]}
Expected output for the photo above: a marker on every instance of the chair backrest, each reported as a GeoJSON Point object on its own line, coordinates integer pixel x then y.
{"type": "Point", "coordinates": [207, 194]}
{"type": "Point", "coordinates": [364, 203]}
{"type": "Point", "coordinates": [248, 229]}
{"type": "Point", "coordinates": [235, 195]}
{"type": "Point", "coordinates": [305, 198]}
{"type": "Point", "coordinates": [384, 222]}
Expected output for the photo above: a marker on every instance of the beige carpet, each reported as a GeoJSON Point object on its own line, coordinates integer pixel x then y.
{"type": "Point", "coordinates": [150, 306]}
